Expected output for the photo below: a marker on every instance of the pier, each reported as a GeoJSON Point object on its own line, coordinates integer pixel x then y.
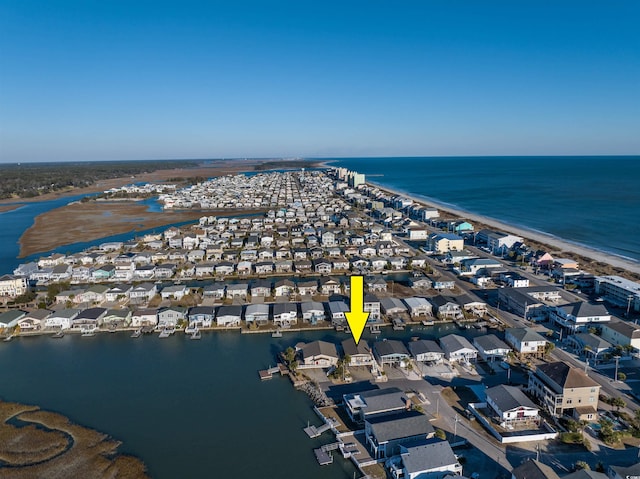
{"type": "Point", "coordinates": [323, 454]}
{"type": "Point", "coordinates": [268, 373]}
{"type": "Point", "coordinates": [314, 432]}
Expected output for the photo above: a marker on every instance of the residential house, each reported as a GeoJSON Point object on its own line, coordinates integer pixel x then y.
{"type": "Point", "coordinates": [430, 460]}
{"type": "Point", "coordinates": [257, 313]}
{"type": "Point", "coordinates": [623, 334]}
{"type": "Point", "coordinates": [144, 317]}
{"type": "Point", "coordinates": [579, 316]}
{"type": "Point", "coordinates": [322, 266]}
{"type": "Point", "coordinates": [372, 306]}
{"type": "Point", "coordinates": [420, 282]}
{"type": "Point", "coordinates": [285, 314]}
{"type": "Point", "coordinates": [318, 354]}
{"type": "Point", "coordinates": [440, 284]}
{"type": "Point", "coordinates": [103, 273]}
{"type": "Point", "coordinates": [224, 268]}
{"type": "Point", "coordinates": [386, 434]}
{"type": "Point", "coordinates": [337, 310]}
{"type": "Point", "coordinates": [34, 320]}
{"type": "Point", "coordinates": [446, 308]}
{"type": "Point", "coordinates": [174, 291]}
{"type": "Point", "coordinates": [201, 316]}
{"type": "Point", "coordinates": [312, 312]}
{"type": "Point", "coordinates": [143, 292]}
{"type": "Point", "coordinates": [530, 303]}
{"type": "Point", "coordinates": [491, 348]}
{"type": "Point", "coordinates": [61, 319]}
{"type": "Point", "coordinates": [89, 318]}
{"type": "Point", "coordinates": [329, 286]}
{"type": "Point", "coordinates": [375, 284]}
{"type": "Point", "coordinates": [418, 307]}
{"type": "Point", "coordinates": [426, 351]}
{"type": "Point", "coordinates": [589, 345]}
{"type": "Point", "coordinates": [284, 287]}
{"type": "Point", "coordinates": [261, 288]}
{"type": "Point", "coordinates": [238, 290]}
{"type": "Point", "coordinates": [458, 349]}
{"type": "Point", "coordinates": [526, 342]}
{"type": "Point", "coordinates": [205, 269]}
{"type": "Point", "coordinates": [94, 294]}
{"type": "Point", "coordinates": [390, 352]}
{"type": "Point", "coordinates": [393, 307]}
{"type": "Point", "coordinates": [359, 355]}
{"type": "Point", "coordinates": [620, 472]}
{"type": "Point", "coordinates": [169, 317]}
{"type": "Point", "coordinates": [532, 469]}
{"type": "Point", "coordinates": [478, 266]}
{"type": "Point", "coordinates": [308, 288]}
{"type": "Point", "coordinates": [229, 316]}
{"type": "Point", "coordinates": [116, 318]}
{"type": "Point", "coordinates": [511, 406]}
{"type": "Point", "coordinates": [377, 402]}
{"type": "Point", "coordinates": [563, 389]}
{"type": "Point", "coordinates": [9, 319]}
{"type": "Point", "coordinates": [441, 243]}
{"type": "Point", "coordinates": [215, 291]}
{"type": "Point", "coordinates": [118, 292]}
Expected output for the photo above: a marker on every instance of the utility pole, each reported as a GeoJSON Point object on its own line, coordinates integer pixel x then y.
{"type": "Point", "coordinates": [455, 428]}
{"type": "Point", "coordinates": [615, 376]}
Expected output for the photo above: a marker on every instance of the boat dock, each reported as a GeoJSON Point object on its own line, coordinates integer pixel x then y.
{"type": "Point", "coordinates": [268, 373]}
{"type": "Point", "coordinates": [314, 432]}
{"type": "Point", "coordinates": [323, 454]}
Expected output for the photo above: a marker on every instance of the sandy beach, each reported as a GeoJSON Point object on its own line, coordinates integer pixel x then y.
{"type": "Point", "coordinates": [80, 222]}
{"type": "Point", "coordinates": [4, 208]}
{"type": "Point", "coordinates": [556, 246]}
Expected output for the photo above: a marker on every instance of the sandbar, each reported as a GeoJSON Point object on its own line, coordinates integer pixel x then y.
{"type": "Point", "coordinates": [588, 257]}
{"type": "Point", "coordinates": [4, 208]}
{"type": "Point", "coordinates": [82, 222]}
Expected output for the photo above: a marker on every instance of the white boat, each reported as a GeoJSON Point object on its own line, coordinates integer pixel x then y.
{"type": "Point", "coordinates": [137, 333]}
{"type": "Point", "coordinates": [165, 333]}
{"type": "Point", "coordinates": [8, 338]}
{"type": "Point", "coordinates": [88, 333]}
{"type": "Point", "coordinates": [276, 334]}
{"type": "Point", "coordinates": [190, 330]}
{"type": "Point", "coordinates": [196, 334]}
{"type": "Point", "coordinates": [58, 335]}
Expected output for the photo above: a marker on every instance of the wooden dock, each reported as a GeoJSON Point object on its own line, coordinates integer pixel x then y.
{"type": "Point", "coordinates": [268, 373]}
{"type": "Point", "coordinates": [323, 454]}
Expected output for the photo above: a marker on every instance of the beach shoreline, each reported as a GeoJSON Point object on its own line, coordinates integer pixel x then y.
{"type": "Point", "coordinates": [553, 242]}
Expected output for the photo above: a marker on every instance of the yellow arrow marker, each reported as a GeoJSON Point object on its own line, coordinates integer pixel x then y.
{"type": "Point", "coordinates": [357, 318]}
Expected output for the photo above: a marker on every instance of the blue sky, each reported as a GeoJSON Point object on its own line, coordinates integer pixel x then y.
{"type": "Point", "coordinates": [111, 80]}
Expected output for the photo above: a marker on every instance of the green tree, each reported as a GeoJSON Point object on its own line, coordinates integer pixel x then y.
{"type": "Point", "coordinates": [440, 434]}
{"type": "Point", "coordinates": [548, 347]}
{"type": "Point", "coordinates": [581, 465]}
{"type": "Point", "coordinates": [618, 403]}
{"type": "Point", "coordinates": [622, 377]}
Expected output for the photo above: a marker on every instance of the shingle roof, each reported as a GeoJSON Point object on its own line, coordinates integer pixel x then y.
{"type": "Point", "coordinates": [534, 470]}
{"type": "Point", "coordinates": [424, 346]}
{"type": "Point", "coordinates": [398, 426]}
{"type": "Point", "coordinates": [509, 397]}
{"type": "Point", "coordinates": [453, 342]}
{"type": "Point", "coordinates": [317, 348]}
{"type": "Point", "coordinates": [490, 342]}
{"type": "Point", "coordinates": [566, 376]}
{"type": "Point", "coordinates": [390, 346]}
{"type": "Point", "coordinates": [428, 457]}
{"type": "Point", "coordinates": [524, 334]}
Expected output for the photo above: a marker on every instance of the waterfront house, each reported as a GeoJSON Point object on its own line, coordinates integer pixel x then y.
{"type": "Point", "coordinates": [446, 308]}
{"type": "Point", "coordinates": [239, 290]}
{"type": "Point", "coordinates": [257, 313]}
{"type": "Point", "coordinates": [418, 307]}
{"type": "Point", "coordinates": [426, 351]}
{"type": "Point", "coordinates": [81, 274]}
{"type": "Point", "coordinates": [375, 284]}
{"type": "Point", "coordinates": [165, 271]}
{"type": "Point", "coordinates": [143, 292]}
{"type": "Point", "coordinates": [284, 287]}
{"type": "Point", "coordinates": [43, 275]}
{"type": "Point", "coordinates": [359, 355]}
{"type": "Point", "coordinates": [61, 319]}
{"type": "Point", "coordinates": [532, 469]}
{"type": "Point", "coordinates": [34, 320]}
{"type": "Point", "coordinates": [623, 334]}
{"type": "Point", "coordinates": [318, 354]}
{"type": "Point", "coordinates": [458, 349]}
{"type": "Point", "coordinates": [94, 294]}
{"type": "Point", "coordinates": [201, 316]}
{"type": "Point", "coordinates": [174, 291]}
{"type": "Point", "coordinates": [579, 316]}
{"type": "Point", "coordinates": [205, 269]}
{"type": "Point", "coordinates": [229, 316]}
{"type": "Point", "coordinates": [118, 292]}
{"type": "Point", "coordinates": [329, 286]}
{"type": "Point", "coordinates": [378, 264]}
{"type": "Point", "coordinates": [144, 272]}
{"type": "Point", "coordinates": [372, 306]}
{"type": "Point", "coordinates": [390, 352]}
{"type": "Point", "coordinates": [340, 264]}
{"type": "Point", "coordinates": [61, 272]}
{"type": "Point", "coordinates": [116, 318]}
{"type": "Point", "coordinates": [69, 296]}
{"type": "Point", "coordinates": [9, 319]}
{"type": "Point", "coordinates": [224, 268]}
{"type": "Point", "coordinates": [89, 318]}
{"type": "Point", "coordinates": [261, 288]}
{"type": "Point", "coordinates": [563, 389]}
{"type": "Point", "coordinates": [215, 291]}
{"type": "Point", "coordinates": [511, 407]}
{"type": "Point", "coordinates": [312, 312]}
{"type": "Point", "coordinates": [491, 348]}
{"type": "Point", "coordinates": [377, 402]}
{"type": "Point", "coordinates": [286, 266]}
{"type": "Point", "coordinates": [386, 434]}
{"type": "Point", "coordinates": [285, 314]}
{"type": "Point", "coordinates": [322, 266]}
{"type": "Point", "coordinates": [393, 306]}
{"type": "Point", "coordinates": [144, 317]}
{"type": "Point", "coordinates": [420, 282]}
{"type": "Point", "coordinates": [525, 342]}
{"type": "Point", "coordinates": [431, 460]}
{"type": "Point", "coordinates": [169, 317]}
{"type": "Point", "coordinates": [308, 288]}
{"type": "Point", "coordinates": [244, 268]}
{"type": "Point", "coordinates": [264, 267]}
{"type": "Point", "coordinates": [337, 310]}
{"type": "Point", "coordinates": [103, 273]}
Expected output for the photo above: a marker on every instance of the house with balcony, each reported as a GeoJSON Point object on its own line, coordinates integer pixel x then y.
{"type": "Point", "coordinates": [144, 317]}
{"type": "Point", "coordinates": [285, 315]}
{"type": "Point", "coordinates": [360, 354]}
{"type": "Point", "coordinates": [458, 349]}
{"type": "Point", "coordinates": [257, 314]}
{"type": "Point", "coordinates": [432, 460]}
{"type": "Point", "coordinates": [579, 316]}
{"type": "Point", "coordinates": [491, 348]}
{"type": "Point", "coordinates": [426, 351]}
{"type": "Point", "coordinates": [511, 407]}
{"type": "Point", "coordinates": [318, 354]}
{"type": "Point", "coordinates": [312, 312]}
{"type": "Point", "coordinates": [526, 342]}
{"type": "Point", "coordinates": [361, 406]}
{"type": "Point", "coordinates": [201, 316]}
{"type": "Point", "coordinates": [229, 316]}
{"type": "Point", "coordinates": [563, 389]}
{"type": "Point", "coordinates": [623, 334]}
{"type": "Point", "coordinates": [386, 434]}
{"type": "Point", "coordinates": [390, 352]}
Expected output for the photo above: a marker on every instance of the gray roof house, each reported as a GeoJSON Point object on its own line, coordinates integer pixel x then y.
{"type": "Point", "coordinates": [425, 350]}
{"type": "Point", "coordinates": [258, 313]}
{"type": "Point", "coordinates": [318, 354]}
{"type": "Point", "coordinates": [511, 406]}
{"type": "Point", "coordinates": [229, 316]}
{"type": "Point", "coordinates": [491, 348]}
{"type": "Point", "coordinates": [390, 351]}
{"type": "Point", "coordinates": [428, 460]}
{"type": "Point", "coordinates": [458, 348]}
{"type": "Point", "coordinates": [385, 434]}
{"type": "Point", "coordinates": [360, 355]}
{"type": "Point", "coordinates": [377, 402]}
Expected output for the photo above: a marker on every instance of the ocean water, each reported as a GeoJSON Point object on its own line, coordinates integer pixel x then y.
{"type": "Point", "coordinates": [593, 201]}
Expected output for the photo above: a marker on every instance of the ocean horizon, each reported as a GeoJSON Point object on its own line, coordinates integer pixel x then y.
{"type": "Point", "coordinates": [583, 200]}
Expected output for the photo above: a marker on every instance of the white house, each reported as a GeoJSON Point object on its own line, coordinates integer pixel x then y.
{"type": "Point", "coordinates": [491, 348]}
{"type": "Point", "coordinates": [319, 354]}
{"type": "Point", "coordinates": [360, 354]}
{"type": "Point", "coordinates": [426, 351]}
{"type": "Point", "coordinates": [525, 341]}
{"type": "Point", "coordinates": [458, 349]}
{"type": "Point", "coordinates": [430, 460]}
{"type": "Point", "coordinates": [511, 406]}
{"type": "Point", "coordinates": [61, 319]}
{"type": "Point", "coordinates": [229, 316]}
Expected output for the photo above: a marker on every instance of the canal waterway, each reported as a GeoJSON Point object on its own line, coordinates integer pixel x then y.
{"type": "Point", "coordinates": [186, 408]}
